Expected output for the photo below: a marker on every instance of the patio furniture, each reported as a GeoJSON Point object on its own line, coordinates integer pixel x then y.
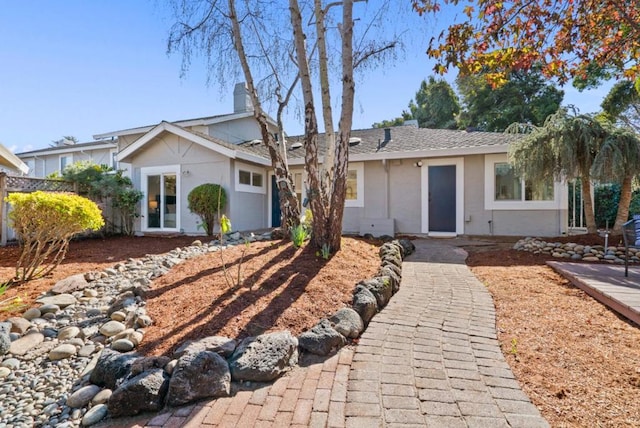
{"type": "Point", "coordinates": [631, 235]}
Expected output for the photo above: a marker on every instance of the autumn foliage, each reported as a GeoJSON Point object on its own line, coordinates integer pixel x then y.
{"type": "Point", "coordinates": [585, 40]}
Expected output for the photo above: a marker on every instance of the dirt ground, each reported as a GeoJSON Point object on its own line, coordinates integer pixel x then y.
{"type": "Point", "coordinates": [577, 360]}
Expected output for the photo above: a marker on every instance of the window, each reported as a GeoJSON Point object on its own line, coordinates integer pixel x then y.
{"type": "Point", "coordinates": [31, 163]}
{"type": "Point", "coordinates": [65, 161]}
{"type": "Point", "coordinates": [161, 206]}
{"type": "Point", "coordinates": [354, 196]}
{"type": "Point", "coordinates": [504, 189]}
{"type": "Point", "coordinates": [114, 160]}
{"type": "Point", "coordinates": [250, 179]}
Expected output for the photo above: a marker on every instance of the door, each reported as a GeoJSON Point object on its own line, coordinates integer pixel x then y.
{"type": "Point", "coordinates": [275, 203]}
{"type": "Point", "coordinates": [442, 198]}
{"type": "Point", "coordinates": [162, 201]}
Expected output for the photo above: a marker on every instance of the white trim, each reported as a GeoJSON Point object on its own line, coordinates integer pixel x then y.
{"type": "Point", "coordinates": [424, 193]}
{"type": "Point", "coordinates": [144, 176]}
{"type": "Point", "coordinates": [490, 202]}
{"type": "Point", "coordinates": [67, 149]}
{"type": "Point", "coordinates": [250, 188]}
{"type": "Point", "coordinates": [358, 167]}
{"type": "Point", "coordinates": [111, 159]}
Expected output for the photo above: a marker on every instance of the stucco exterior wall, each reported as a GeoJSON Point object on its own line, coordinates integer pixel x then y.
{"type": "Point", "coordinates": [247, 210]}
{"type": "Point", "coordinates": [476, 217]}
{"type": "Point", "coordinates": [404, 196]}
{"type": "Point", "coordinates": [198, 165]}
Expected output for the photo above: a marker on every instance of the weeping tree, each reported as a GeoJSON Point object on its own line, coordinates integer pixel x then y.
{"type": "Point", "coordinates": [618, 160]}
{"type": "Point", "coordinates": [564, 148]}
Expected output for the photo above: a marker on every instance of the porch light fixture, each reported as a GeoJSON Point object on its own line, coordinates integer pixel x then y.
{"type": "Point", "coordinates": [186, 173]}
{"type": "Point", "coordinates": [418, 164]}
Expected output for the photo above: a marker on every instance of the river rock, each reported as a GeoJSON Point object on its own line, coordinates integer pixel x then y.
{"type": "Point", "coordinates": [49, 309]}
{"type": "Point", "coordinates": [112, 328]}
{"type": "Point", "coordinates": [63, 351]}
{"type": "Point", "coordinates": [94, 415]}
{"type": "Point", "coordinates": [19, 325]}
{"type": "Point", "coordinates": [218, 344]}
{"type": "Point", "coordinates": [31, 314]}
{"type": "Point", "coordinates": [68, 333]}
{"type": "Point", "coordinates": [321, 339]}
{"type": "Point", "coordinates": [62, 300]}
{"type": "Point", "coordinates": [122, 345]}
{"type": "Point", "coordinates": [198, 375]}
{"type": "Point", "coordinates": [70, 284]}
{"type": "Point", "coordinates": [102, 397]}
{"type": "Point", "coordinates": [83, 396]}
{"type": "Point", "coordinates": [265, 357]}
{"type": "Point", "coordinates": [4, 372]}
{"type": "Point", "coordinates": [26, 343]}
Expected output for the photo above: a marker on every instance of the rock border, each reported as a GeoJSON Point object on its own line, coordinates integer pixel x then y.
{"type": "Point", "coordinates": [577, 252]}
{"type": "Point", "coordinates": [72, 361]}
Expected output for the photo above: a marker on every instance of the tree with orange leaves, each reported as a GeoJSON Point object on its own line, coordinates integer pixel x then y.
{"type": "Point", "coordinates": [581, 40]}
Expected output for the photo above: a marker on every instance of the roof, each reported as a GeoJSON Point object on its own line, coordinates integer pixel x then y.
{"type": "Point", "coordinates": [233, 151]}
{"type": "Point", "coordinates": [406, 142]}
{"type": "Point", "coordinates": [92, 145]}
{"type": "Point", "coordinates": [202, 121]}
{"type": "Point", "coordinates": [11, 161]}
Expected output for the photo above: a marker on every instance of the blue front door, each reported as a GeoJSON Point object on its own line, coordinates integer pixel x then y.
{"type": "Point", "coordinates": [275, 203]}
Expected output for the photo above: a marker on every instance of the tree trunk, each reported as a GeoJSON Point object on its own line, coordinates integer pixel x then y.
{"type": "Point", "coordinates": [289, 205]}
{"type": "Point", "coordinates": [344, 126]}
{"type": "Point", "coordinates": [588, 205]}
{"type": "Point", "coordinates": [316, 202]}
{"type": "Point", "coordinates": [623, 204]}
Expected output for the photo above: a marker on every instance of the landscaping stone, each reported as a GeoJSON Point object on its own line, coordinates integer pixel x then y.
{"type": "Point", "coordinates": [94, 415]}
{"type": "Point", "coordinates": [5, 338]}
{"type": "Point", "coordinates": [31, 314]}
{"type": "Point", "coordinates": [49, 309]}
{"type": "Point", "coordinates": [122, 345]}
{"type": "Point", "coordinates": [26, 343]}
{"type": "Point", "coordinates": [83, 396]}
{"type": "Point", "coordinates": [63, 351]}
{"type": "Point", "coordinates": [102, 397]}
{"type": "Point", "coordinates": [321, 339]}
{"type": "Point", "coordinates": [70, 284]}
{"type": "Point", "coordinates": [68, 333]}
{"type": "Point", "coordinates": [112, 328]}
{"type": "Point", "coordinates": [19, 325]}
{"type": "Point", "coordinates": [4, 372]}
{"type": "Point", "coordinates": [394, 273]}
{"type": "Point", "coordinates": [198, 375]}
{"type": "Point", "coordinates": [112, 368]}
{"type": "Point", "coordinates": [142, 393]}
{"type": "Point", "coordinates": [347, 322]}
{"type": "Point", "coordinates": [143, 364]}
{"type": "Point", "coordinates": [380, 287]}
{"type": "Point", "coordinates": [61, 300]}
{"type": "Point", "coordinates": [218, 344]}
{"type": "Point", "coordinates": [265, 357]}
{"type": "Point", "coordinates": [364, 303]}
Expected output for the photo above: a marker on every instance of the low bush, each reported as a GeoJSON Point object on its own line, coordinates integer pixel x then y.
{"type": "Point", "coordinates": [44, 224]}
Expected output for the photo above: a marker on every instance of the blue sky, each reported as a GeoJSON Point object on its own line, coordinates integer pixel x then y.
{"type": "Point", "coordinates": [87, 67]}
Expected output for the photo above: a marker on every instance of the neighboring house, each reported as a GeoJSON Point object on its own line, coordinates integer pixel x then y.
{"type": "Point", "coordinates": [401, 180]}
{"type": "Point", "coordinates": [11, 163]}
{"type": "Point", "coordinates": [47, 161]}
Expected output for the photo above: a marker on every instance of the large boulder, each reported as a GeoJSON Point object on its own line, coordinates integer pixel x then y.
{"type": "Point", "coordinates": [199, 375]}
{"type": "Point", "coordinates": [141, 393]}
{"type": "Point", "coordinates": [321, 339]}
{"type": "Point", "coordinates": [380, 287]}
{"type": "Point", "coordinates": [364, 303]}
{"type": "Point", "coordinates": [347, 322]}
{"type": "Point", "coordinates": [112, 368]}
{"type": "Point", "coordinates": [390, 249]}
{"type": "Point", "coordinates": [264, 358]}
{"type": "Point", "coordinates": [408, 247]}
{"type": "Point", "coordinates": [70, 284]}
{"type": "Point", "coordinates": [218, 344]}
{"type": "Point", "coordinates": [5, 338]}
{"type": "Point", "coordinates": [392, 259]}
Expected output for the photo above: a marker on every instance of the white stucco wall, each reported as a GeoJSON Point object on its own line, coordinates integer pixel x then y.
{"type": "Point", "coordinates": [236, 131]}
{"type": "Point", "coordinates": [248, 210]}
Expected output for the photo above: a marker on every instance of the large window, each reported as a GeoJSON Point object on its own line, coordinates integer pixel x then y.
{"type": "Point", "coordinates": [65, 161]}
{"type": "Point", "coordinates": [504, 189]}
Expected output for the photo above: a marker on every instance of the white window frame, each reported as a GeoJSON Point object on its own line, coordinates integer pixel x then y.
{"type": "Point", "coordinates": [31, 163]}
{"type": "Point", "coordinates": [69, 162]}
{"type": "Point", "coordinates": [113, 159]}
{"type": "Point", "coordinates": [359, 201]}
{"type": "Point", "coordinates": [250, 188]}
{"type": "Point", "coordinates": [159, 170]}
{"type": "Point", "coordinates": [490, 202]}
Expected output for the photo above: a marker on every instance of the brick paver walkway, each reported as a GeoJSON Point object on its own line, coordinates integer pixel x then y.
{"type": "Point", "coordinates": [430, 358]}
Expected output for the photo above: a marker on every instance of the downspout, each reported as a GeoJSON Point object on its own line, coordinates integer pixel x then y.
{"type": "Point", "coordinates": [387, 188]}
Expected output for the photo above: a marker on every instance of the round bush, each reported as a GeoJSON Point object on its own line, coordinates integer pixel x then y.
{"type": "Point", "coordinates": [207, 200]}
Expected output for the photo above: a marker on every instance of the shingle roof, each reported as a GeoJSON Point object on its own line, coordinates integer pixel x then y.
{"type": "Point", "coordinates": [70, 147]}
{"type": "Point", "coordinates": [405, 141]}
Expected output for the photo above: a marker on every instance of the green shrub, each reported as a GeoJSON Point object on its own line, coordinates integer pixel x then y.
{"type": "Point", "coordinates": [207, 201]}
{"type": "Point", "coordinates": [44, 223]}
{"type": "Point", "coordinates": [299, 234]}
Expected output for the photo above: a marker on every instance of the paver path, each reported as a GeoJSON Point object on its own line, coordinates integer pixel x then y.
{"type": "Point", "coordinates": [430, 358]}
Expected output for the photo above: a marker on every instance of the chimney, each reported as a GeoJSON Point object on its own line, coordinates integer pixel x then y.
{"type": "Point", "coordinates": [241, 99]}
{"type": "Point", "coordinates": [387, 135]}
